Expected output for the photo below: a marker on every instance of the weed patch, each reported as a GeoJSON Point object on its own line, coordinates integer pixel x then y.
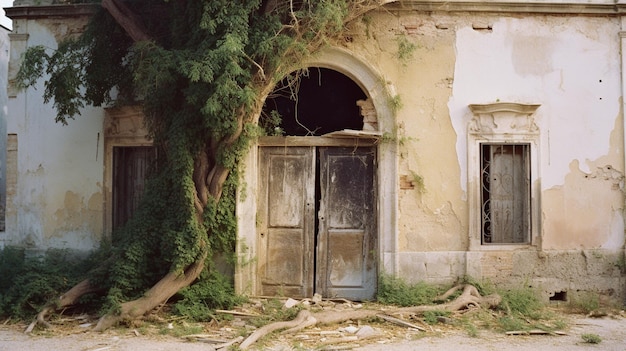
{"type": "Point", "coordinates": [273, 311]}
{"type": "Point", "coordinates": [29, 282]}
{"type": "Point", "coordinates": [396, 291]}
{"type": "Point", "coordinates": [199, 301]}
{"type": "Point", "coordinates": [591, 338]}
{"type": "Point", "coordinates": [585, 303]}
{"type": "Point", "coordinates": [432, 317]}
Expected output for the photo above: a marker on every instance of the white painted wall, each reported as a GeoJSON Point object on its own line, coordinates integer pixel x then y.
{"type": "Point", "coordinates": [4, 64]}
{"type": "Point", "coordinates": [60, 175]}
{"type": "Point", "coordinates": [569, 65]}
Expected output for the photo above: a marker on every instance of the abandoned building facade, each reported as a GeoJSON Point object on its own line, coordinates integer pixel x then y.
{"type": "Point", "coordinates": [488, 142]}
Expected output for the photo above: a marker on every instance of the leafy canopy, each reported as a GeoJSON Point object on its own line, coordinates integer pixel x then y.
{"type": "Point", "coordinates": [201, 80]}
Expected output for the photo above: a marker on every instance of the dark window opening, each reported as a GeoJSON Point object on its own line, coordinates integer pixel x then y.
{"type": "Point", "coordinates": [313, 102]}
{"type": "Point", "coordinates": [505, 193]}
{"type": "Point", "coordinates": [131, 167]}
{"type": "Point", "coordinates": [559, 296]}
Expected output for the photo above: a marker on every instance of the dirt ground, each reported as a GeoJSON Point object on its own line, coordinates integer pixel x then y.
{"type": "Point", "coordinates": [74, 336]}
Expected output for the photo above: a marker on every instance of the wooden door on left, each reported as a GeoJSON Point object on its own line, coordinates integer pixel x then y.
{"type": "Point", "coordinates": [286, 220]}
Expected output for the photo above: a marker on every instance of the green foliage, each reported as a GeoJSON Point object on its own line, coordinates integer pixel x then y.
{"type": "Point", "coordinates": [471, 329]}
{"type": "Point", "coordinates": [200, 80]}
{"type": "Point", "coordinates": [396, 103]}
{"type": "Point", "coordinates": [181, 329]}
{"type": "Point", "coordinates": [270, 124]}
{"type": "Point", "coordinates": [591, 338]}
{"type": "Point", "coordinates": [405, 50]}
{"type": "Point", "coordinates": [523, 310]}
{"type": "Point", "coordinates": [396, 291]}
{"type": "Point", "coordinates": [28, 282]}
{"type": "Point", "coordinates": [585, 303]}
{"type": "Point", "coordinates": [199, 301]}
{"type": "Point", "coordinates": [273, 311]}
{"type": "Point", "coordinates": [432, 317]}
{"type": "Point", "coordinates": [522, 302]}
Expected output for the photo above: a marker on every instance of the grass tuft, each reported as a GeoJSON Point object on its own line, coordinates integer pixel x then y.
{"type": "Point", "coordinates": [396, 291]}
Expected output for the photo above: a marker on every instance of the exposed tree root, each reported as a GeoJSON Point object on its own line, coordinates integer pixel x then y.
{"type": "Point", "coordinates": [158, 294]}
{"type": "Point", "coordinates": [65, 300]}
{"type": "Point", "coordinates": [305, 318]}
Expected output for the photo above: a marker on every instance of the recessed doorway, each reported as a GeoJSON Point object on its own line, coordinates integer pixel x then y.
{"type": "Point", "coordinates": [317, 196]}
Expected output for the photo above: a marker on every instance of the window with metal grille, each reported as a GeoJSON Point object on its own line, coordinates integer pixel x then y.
{"type": "Point", "coordinates": [505, 193]}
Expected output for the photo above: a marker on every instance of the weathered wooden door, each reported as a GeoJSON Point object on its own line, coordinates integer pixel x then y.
{"type": "Point", "coordinates": [317, 230]}
{"type": "Point", "coordinates": [346, 244]}
{"type": "Point", "coordinates": [130, 169]}
{"type": "Point", "coordinates": [286, 220]}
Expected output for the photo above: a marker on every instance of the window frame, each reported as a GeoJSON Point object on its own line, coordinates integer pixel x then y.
{"type": "Point", "coordinates": [501, 123]}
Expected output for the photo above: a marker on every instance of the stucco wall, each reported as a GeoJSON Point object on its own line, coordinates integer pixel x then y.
{"type": "Point", "coordinates": [570, 65]}
{"type": "Point", "coordinates": [4, 64]}
{"type": "Point", "coordinates": [58, 199]}
{"type": "Point", "coordinates": [566, 61]}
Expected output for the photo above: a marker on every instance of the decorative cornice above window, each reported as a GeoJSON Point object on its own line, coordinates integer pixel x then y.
{"type": "Point", "coordinates": [124, 122]}
{"type": "Point", "coordinates": [503, 118]}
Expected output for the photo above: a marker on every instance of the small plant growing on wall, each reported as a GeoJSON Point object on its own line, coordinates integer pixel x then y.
{"type": "Point", "coordinates": [406, 49]}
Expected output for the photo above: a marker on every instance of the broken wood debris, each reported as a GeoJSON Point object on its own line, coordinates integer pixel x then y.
{"type": "Point", "coordinates": [535, 332]}
{"type": "Point", "coordinates": [400, 322]}
{"type": "Point", "coordinates": [469, 298]}
{"type": "Point", "coordinates": [238, 313]}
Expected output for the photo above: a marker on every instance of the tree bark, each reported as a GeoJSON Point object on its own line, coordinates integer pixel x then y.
{"type": "Point", "coordinates": [65, 300]}
{"type": "Point", "coordinates": [126, 18]}
{"type": "Point", "coordinates": [158, 294]}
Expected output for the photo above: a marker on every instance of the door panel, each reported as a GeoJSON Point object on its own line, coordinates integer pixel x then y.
{"type": "Point", "coordinates": [285, 219]}
{"type": "Point", "coordinates": [130, 169]}
{"type": "Point", "coordinates": [346, 245]}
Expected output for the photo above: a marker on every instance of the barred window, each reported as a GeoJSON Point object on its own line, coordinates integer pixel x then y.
{"type": "Point", "coordinates": [505, 193]}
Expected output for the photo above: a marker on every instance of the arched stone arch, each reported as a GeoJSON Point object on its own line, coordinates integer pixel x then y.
{"type": "Point", "coordinates": [379, 93]}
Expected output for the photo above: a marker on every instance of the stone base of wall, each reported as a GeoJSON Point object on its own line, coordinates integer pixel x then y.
{"type": "Point", "coordinates": [558, 276]}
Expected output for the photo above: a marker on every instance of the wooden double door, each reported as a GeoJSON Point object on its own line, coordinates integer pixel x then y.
{"type": "Point", "coordinates": [316, 221]}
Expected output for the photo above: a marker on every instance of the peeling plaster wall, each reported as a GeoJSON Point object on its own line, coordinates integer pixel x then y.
{"type": "Point", "coordinates": [570, 65]}
{"type": "Point", "coordinates": [58, 200]}
{"type": "Point", "coordinates": [432, 215]}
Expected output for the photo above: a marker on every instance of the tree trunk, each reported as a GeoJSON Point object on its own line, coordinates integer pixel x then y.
{"type": "Point", "coordinates": [158, 294]}
{"type": "Point", "coordinates": [65, 300]}
{"type": "Point", "coordinates": [126, 19]}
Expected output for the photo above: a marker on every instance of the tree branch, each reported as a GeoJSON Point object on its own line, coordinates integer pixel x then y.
{"type": "Point", "coordinates": [126, 19]}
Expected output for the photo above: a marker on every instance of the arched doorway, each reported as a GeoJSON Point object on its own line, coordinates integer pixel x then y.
{"type": "Point", "coordinates": [317, 193]}
{"type": "Point", "coordinates": [378, 92]}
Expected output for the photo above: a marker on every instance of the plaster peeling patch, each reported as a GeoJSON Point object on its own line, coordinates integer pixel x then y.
{"type": "Point", "coordinates": [585, 212]}
{"type": "Point", "coordinates": [608, 173]}
{"type": "Point", "coordinates": [62, 29]}
{"type": "Point", "coordinates": [78, 215]}
{"type": "Point", "coordinates": [432, 230]}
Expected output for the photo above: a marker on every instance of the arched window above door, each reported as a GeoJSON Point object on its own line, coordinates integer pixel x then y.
{"type": "Point", "coordinates": [317, 101]}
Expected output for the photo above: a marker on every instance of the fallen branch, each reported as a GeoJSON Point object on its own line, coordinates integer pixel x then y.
{"type": "Point", "coordinates": [238, 313]}
{"type": "Point", "coordinates": [400, 322]}
{"type": "Point", "coordinates": [267, 329]}
{"type": "Point", "coordinates": [469, 298]}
